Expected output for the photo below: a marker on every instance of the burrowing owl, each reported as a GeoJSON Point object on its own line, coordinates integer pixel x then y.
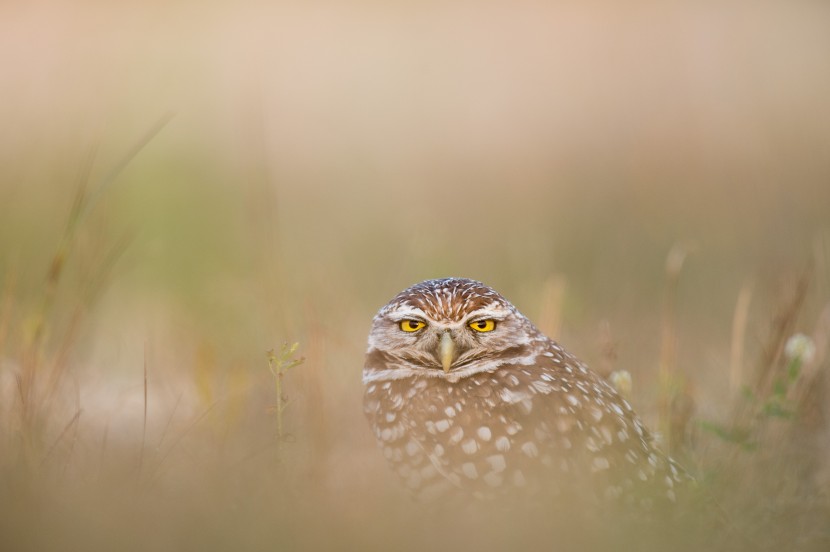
{"type": "Point", "coordinates": [463, 392]}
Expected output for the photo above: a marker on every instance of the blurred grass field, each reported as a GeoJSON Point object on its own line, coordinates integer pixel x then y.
{"type": "Point", "coordinates": [184, 187]}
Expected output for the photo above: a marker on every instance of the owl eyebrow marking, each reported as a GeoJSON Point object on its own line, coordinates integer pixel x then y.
{"type": "Point", "coordinates": [492, 314]}
{"type": "Point", "coordinates": [408, 314]}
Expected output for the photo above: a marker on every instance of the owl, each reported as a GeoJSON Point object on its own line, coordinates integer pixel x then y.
{"type": "Point", "coordinates": [466, 396]}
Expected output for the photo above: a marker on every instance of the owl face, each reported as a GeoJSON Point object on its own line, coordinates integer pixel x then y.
{"type": "Point", "coordinates": [448, 328]}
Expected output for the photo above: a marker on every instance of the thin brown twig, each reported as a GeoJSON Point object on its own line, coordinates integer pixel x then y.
{"type": "Point", "coordinates": [96, 282]}
{"type": "Point", "coordinates": [182, 436]}
{"type": "Point", "coordinates": [782, 327]}
{"type": "Point", "coordinates": [144, 422]}
{"type": "Point", "coordinates": [102, 454]}
{"type": "Point", "coordinates": [270, 444]}
{"type": "Point", "coordinates": [6, 307]}
{"type": "Point", "coordinates": [122, 164]}
{"type": "Point", "coordinates": [66, 428]}
{"type": "Point", "coordinates": [74, 430]}
{"type": "Point", "coordinates": [744, 414]}
{"type": "Point", "coordinates": [736, 353]}
{"type": "Point", "coordinates": [62, 357]}
{"type": "Point", "coordinates": [169, 420]}
{"type": "Point", "coordinates": [810, 390]}
{"type": "Point", "coordinates": [668, 344]}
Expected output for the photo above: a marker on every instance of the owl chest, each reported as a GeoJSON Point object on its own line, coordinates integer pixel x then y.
{"type": "Point", "coordinates": [466, 436]}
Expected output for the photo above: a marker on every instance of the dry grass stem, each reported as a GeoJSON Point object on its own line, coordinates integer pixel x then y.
{"type": "Point", "coordinates": [736, 351]}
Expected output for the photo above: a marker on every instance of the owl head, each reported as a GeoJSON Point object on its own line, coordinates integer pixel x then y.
{"type": "Point", "coordinates": [446, 328]}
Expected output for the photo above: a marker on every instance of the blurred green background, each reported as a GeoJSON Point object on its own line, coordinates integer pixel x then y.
{"type": "Point", "coordinates": [323, 156]}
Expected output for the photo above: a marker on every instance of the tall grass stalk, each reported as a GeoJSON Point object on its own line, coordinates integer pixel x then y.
{"type": "Point", "coordinates": [675, 404]}
{"type": "Point", "coordinates": [41, 370]}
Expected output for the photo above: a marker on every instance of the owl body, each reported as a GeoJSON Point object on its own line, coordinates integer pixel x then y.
{"type": "Point", "coordinates": [466, 396]}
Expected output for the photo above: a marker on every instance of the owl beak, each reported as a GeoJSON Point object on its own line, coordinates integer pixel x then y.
{"type": "Point", "coordinates": [447, 351]}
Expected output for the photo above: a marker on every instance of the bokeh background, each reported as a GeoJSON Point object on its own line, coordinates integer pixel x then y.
{"type": "Point", "coordinates": [187, 185]}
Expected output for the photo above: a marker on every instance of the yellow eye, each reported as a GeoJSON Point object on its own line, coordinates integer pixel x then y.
{"type": "Point", "coordinates": [411, 325]}
{"type": "Point", "coordinates": [483, 325]}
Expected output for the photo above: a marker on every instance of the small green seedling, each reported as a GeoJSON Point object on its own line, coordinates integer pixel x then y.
{"type": "Point", "coordinates": [279, 363]}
